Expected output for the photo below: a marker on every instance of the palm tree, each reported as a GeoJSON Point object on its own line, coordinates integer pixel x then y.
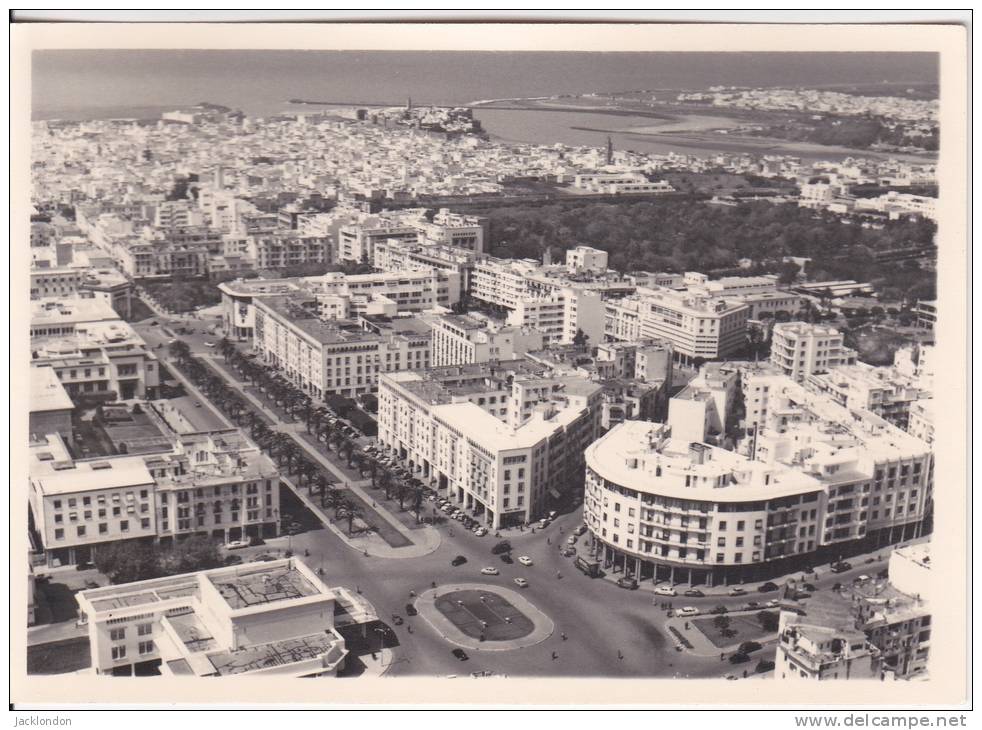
{"type": "Point", "coordinates": [417, 500]}
{"type": "Point", "coordinates": [225, 347]}
{"type": "Point", "coordinates": [385, 480]}
{"type": "Point", "coordinates": [180, 350]}
{"type": "Point", "coordinates": [402, 491]}
{"type": "Point", "coordinates": [373, 466]}
{"type": "Point", "coordinates": [351, 512]}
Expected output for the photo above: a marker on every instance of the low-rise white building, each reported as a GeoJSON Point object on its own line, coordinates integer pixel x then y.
{"type": "Point", "coordinates": [273, 618]}
{"type": "Point", "coordinates": [801, 349]}
{"type": "Point", "coordinates": [462, 340]}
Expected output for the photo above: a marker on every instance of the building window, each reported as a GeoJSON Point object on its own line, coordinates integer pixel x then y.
{"type": "Point", "coordinates": [117, 634]}
{"type": "Point", "coordinates": [146, 647]}
{"type": "Point", "coordinates": [124, 525]}
{"type": "Point", "coordinates": [103, 528]}
{"type": "Point", "coordinates": [80, 530]}
{"type": "Point", "coordinates": [59, 534]}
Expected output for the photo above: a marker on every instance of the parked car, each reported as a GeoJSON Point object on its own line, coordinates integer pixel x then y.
{"type": "Point", "coordinates": [752, 605]}
{"type": "Point", "coordinates": [506, 559]}
{"type": "Point", "coordinates": [808, 587]}
{"type": "Point", "coordinates": [579, 530]}
{"type": "Point", "coordinates": [460, 654]}
{"type": "Point", "coordinates": [411, 610]}
{"type": "Point", "coordinates": [629, 583]}
{"type": "Point", "coordinates": [459, 560]}
{"type": "Point", "coordinates": [521, 583]}
{"type": "Point", "coordinates": [569, 552]}
{"type": "Point", "coordinates": [481, 531]}
{"type": "Point", "coordinates": [665, 591]}
{"type": "Point", "coordinates": [543, 523]}
{"type": "Point", "coordinates": [772, 603]}
{"type": "Point", "coordinates": [767, 587]}
{"type": "Point", "coordinates": [397, 619]}
{"type": "Point", "coordinates": [236, 544]}
{"type": "Point", "coordinates": [233, 560]}
{"type": "Point", "coordinates": [688, 611]}
{"type": "Point", "coordinates": [571, 540]}
{"type": "Point", "coordinates": [739, 658]}
{"type": "Point", "coordinates": [748, 647]}
{"type": "Point", "coordinates": [841, 567]}
{"type": "Point", "coordinates": [737, 592]}
{"type": "Point", "coordinates": [490, 570]}
{"type": "Point", "coordinates": [525, 560]}
{"type": "Point", "coordinates": [553, 515]}
{"type": "Point", "coordinates": [694, 593]}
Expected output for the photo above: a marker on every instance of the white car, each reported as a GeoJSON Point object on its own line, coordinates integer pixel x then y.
{"type": "Point", "coordinates": [772, 603]}
{"type": "Point", "coordinates": [571, 540]}
{"type": "Point", "coordinates": [481, 531]}
{"type": "Point", "coordinates": [525, 560]}
{"type": "Point", "coordinates": [489, 571]}
{"type": "Point", "coordinates": [521, 583]}
{"type": "Point", "coordinates": [236, 544]}
{"type": "Point", "coordinates": [665, 591]}
{"type": "Point", "coordinates": [688, 611]}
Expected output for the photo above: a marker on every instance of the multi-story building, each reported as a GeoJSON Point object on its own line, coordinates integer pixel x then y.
{"type": "Point", "coordinates": [356, 242]}
{"type": "Point", "coordinates": [92, 354]}
{"type": "Point", "coordinates": [884, 391]}
{"type": "Point", "coordinates": [238, 312]}
{"type": "Point", "coordinates": [395, 255]}
{"type": "Point", "coordinates": [504, 441]}
{"type": "Point", "coordinates": [462, 340]}
{"type": "Point", "coordinates": [562, 316]}
{"type": "Point", "coordinates": [821, 483]}
{"type": "Point", "coordinates": [77, 505]}
{"type": "Point", "coordinates": [454, 230]}
{"type": "Point", "coordinates": [282, 248]}
{"type": "Point", "coordinates": [920, 420]}
{"type": "Point", "coordinates": [274, 618]}
{"type": "Point", "coordinates": [412, 291]}
{"type": "Point", "coordinates": [50, 405]}
{"type": "Point", "coordinates": [697, 325]}
{"type": "Point", "coordinates": [927, 313]}
{"type": "Point", "coordinates": [801, 349]}
{"type": "Point", "coordinates": [583, 259]}
{"type": "Point", "coordinates": [322, 357]}
{"type": "Point", "coordinates": [703, 409]}
{"type": "Point", "coordinates": [875, 628]}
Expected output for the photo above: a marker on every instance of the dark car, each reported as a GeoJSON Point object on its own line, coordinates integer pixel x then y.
{"type": "Point", "coordinates": [255, 540]}
{"type": "Point", "coordinates": [628, 583]}
{"type": "Point", "coordinates": [767, 587]}
{"type": "Point", "coordinates": [459, 560]}
{"type": "Point", "coordinates": [748, 647]}
{"type": "Point", "coordinates": [739, 658]}
{"type": "Point", "coordinates": [501, 547]}
{"type": "Point", "coordinates": [569, 552]}
{"type": "Point", "coordinates": [841, 567]}
{"type": "Point", "coordinates": [808, 587]}
{"type": "Point", "coordinates": [411, 610]}
{"type": "Point", "coordinates": [460, 654]}
{"type": "Point", "coordinates": [397, 619]}
{"type": "Point", "coordinates": [233, 560]}
{"type": "Point", "coordinates": [752, 605]}
{"type": "Point", "coordinates": [506, 558]}
{"type": "Point", "coordinates": [694, 593]}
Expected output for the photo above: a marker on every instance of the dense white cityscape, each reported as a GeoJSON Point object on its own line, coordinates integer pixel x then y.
{"type": "Point", "coordinates": [292, 413]}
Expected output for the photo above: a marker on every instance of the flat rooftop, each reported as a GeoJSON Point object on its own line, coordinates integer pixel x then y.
{"type": "Point", "coordinates": [276, 653]}
{"type": "Point", "coordinates": [53, 477]}
{"type": "Point", "coordinates": [47, 392]}
{"type": "Point", "coordinates": [262, 586]}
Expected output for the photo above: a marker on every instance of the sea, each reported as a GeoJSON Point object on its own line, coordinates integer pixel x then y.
{"type": "Point", "coordinates": [106, 84]}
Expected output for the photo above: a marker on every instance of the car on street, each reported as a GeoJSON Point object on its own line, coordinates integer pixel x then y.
{"type": "Point", "coordinates": [688, 611]}
{"type": "Point", "coordinates": [506, 559]}
{"type": "Point", "coordinates": [731, 676]}
{"type": "Point", "coordinates": [236, 544]}
{"type": "Point", "coordinates": [481, 532]}
{"type": "Point", "coordinates": [629, 583]}
{"type": "Point", "coordinates": [737, 592]}
{"type": "Point", "coordinates": [571, 540]}
{"type": "Point", "coordinates": [569, 552]}
{"type": "Point", "coordinates": [665, 591]}
{"type": "Point", "coordinates": [397, 619]}
{"type": "Point", "coordinates": [810, 587]}
{"type": "Point", "coordinates": [521, 583]}
{"type": "Point", "coordinates": [154, 323]}
{"type": "Point", "coordinates": [841, 567]}
{"type": "Point", "coordinates": [209, 344]}
{"type": "Point", "coordinates": [543, 523]}
{"type": "Point", "coordinates": [772, 603]}
{"type": "Point", "coordinates": [233, 560]}
{"type": "Point", "coordinates": [525, 560]}
{"type": "Point", "coordinates": [411, 610]}
{"type": "Point", "coordinates": [739, 658]}
{"type": "Point", "coordinates": [460, 654]}
{"type": "Point", "coordinates": [694, 593]}
{"type": "Point", "coordinates": [767, 587]}
{"type": "Point", "coordinates": [459, 560]}
{"type": "Point", "coordinates": [490, 570]}
{"type": "Point", "coordinates": [579, 530]}
{"type": "Point", "coordinates": [553, 515]}
{"type": "Point", "coordinates": [862, 578]}
{"type": "Point", "coordinates": [752, 605]}
{"type": "Point", "coordinates": [748, 647]}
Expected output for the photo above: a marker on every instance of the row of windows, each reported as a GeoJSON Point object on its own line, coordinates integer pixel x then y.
{"type": "Point", "coordinates": [124, 526]}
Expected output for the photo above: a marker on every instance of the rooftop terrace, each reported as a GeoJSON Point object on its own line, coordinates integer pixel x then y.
{"type": "Point", "coordinates": [262, 586]}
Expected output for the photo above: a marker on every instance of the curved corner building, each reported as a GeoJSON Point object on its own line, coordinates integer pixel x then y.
{"type": "Point", "coordinates": [670, 509]}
